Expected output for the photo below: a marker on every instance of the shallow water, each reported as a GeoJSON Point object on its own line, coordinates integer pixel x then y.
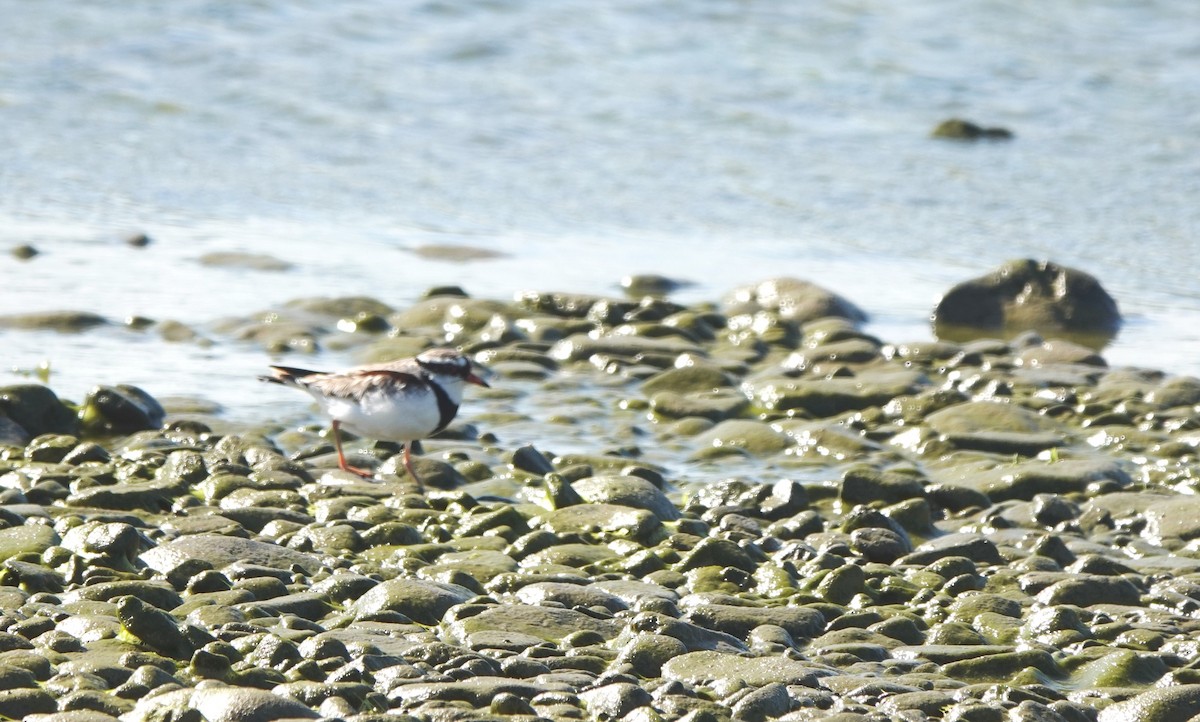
{"type": "Point", "coordinates": [717, 142]}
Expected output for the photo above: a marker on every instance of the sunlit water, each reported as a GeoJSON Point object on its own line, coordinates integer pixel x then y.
{"type": "Point", "coordinates": [718, 142]}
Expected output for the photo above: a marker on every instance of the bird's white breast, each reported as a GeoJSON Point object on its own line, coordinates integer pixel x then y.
{"type": "Point", "coordinates": [399, 416]}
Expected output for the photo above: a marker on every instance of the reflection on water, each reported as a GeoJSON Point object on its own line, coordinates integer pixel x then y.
{"type": "Point", "coordinates": [720, 143]}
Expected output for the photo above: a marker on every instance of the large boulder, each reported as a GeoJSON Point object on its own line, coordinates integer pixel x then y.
{"type": "Point", "coordinates": [1026, 295]}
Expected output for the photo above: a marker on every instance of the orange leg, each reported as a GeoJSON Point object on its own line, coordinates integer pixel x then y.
{"type": "Point", "coordinates": [408, 464]}
{"type": "Point", "coordinates": [337, 443]}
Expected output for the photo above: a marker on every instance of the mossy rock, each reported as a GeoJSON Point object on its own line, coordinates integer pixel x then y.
{"type": "Point", "coordinates": [121, 409]}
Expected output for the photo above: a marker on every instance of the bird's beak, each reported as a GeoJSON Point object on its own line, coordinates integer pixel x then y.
{"type": "Point", "coordinates": [473, 379]}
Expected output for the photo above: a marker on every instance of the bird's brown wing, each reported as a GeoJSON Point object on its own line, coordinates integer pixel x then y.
{"type": "Point", "coordinates": [358, 382]}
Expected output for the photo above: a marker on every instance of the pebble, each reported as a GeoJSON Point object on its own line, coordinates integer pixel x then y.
{"type": "Point", "coordinates": [758, 512]}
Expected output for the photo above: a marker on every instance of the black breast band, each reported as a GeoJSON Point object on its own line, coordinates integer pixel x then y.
{"type": "Point", "coordinates": [446, 408]}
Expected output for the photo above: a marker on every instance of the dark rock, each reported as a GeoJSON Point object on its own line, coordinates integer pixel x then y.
{"type": "Point", "coordinates": [650, 284]}
{"type": "Point", "coordinates": [121, 410]}
{"type": "Point", "coordinates": [22, 703]}
{"type": "Point", "coordinates": [37, 410]}
{"type": "Point", "coordinates": [61, 321]}
{"type": "Point", "coordinates": [717, 552]}
{"type": "Point", "coordinates": [958, 129]}
{"type": "Point", "coordinates": [863, 485]}
{"type": "Point", "coordinates": [1084, 590]}
{"type": "Point", "coordinates": [800, 622]}
{"type": "Point", "coordinates": [529, 459]}
{"type": "Point", "coordinates": [647, 653]}
{"type": "Point", "coordinates": [1027, 295]}
{"type": "Point", "coordinates": [880, 545]}
{"type": "Point", "coordinates": [974, 547]}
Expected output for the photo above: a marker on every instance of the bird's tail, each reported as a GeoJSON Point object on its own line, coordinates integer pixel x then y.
{"type": "Point", "coordinates": [287, 376]}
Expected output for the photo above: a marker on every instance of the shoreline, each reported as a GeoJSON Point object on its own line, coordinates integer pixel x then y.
{"type": "Point", "coordinates": [659, 511]}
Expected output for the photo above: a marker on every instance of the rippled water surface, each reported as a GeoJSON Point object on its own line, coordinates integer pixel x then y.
{"type": "Point", "coordinates": [720, 142]}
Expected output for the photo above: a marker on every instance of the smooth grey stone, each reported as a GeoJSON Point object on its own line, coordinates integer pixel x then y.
{"type": "Point", "coordinates": [705, 667]}
{"type": "Point", "coordinates": [569, 595]}
{"type": "Point", "coordinates": [549, 623]}
{"type": "Point", "coordinates": [1166, 704]}
{"type": "Point", "coordinates": [221, 551]}
{"type": "Point", "coordinates": [220, 703]}
{"type": "Point", "coordinates": [768, 702]}
{"type": "Point", "coordinates": [424, 602]}
{"type": "Point", "coordinates": [477, 691]}
{"type": "Point", "coordinates": [972, 546]}
{"type": "Point", "coordinates": [27, 539]}
{"type": "Point", "coordinates": [629, 491]}
{"type": "Point", "coordinates": [800, 622]}
{"type": "Point", "coordinates": [614, 701]}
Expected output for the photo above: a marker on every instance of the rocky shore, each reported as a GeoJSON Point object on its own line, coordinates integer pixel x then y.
{"type": "Point", "coordinates": [753, 510]}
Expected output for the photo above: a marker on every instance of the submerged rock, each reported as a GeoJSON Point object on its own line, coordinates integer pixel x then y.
{"type": "Point", "coordinates": [61, 321]}
{"type": "Point", "coordinates": [958, 129]}
{"type": "Point", "coordinates": [247, 261]}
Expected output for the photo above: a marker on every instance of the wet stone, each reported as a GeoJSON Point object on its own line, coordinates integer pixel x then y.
{"type": "Point", "coordinates": [1027, 479]}
{"type": "Point", "coordinates": [121, 410]}
{"type": "Point", "coordinates": [220, 551]}
{"type": "Point", "coordinates": [548, 623]}
{"type": "Point", "coordinates": [628, 491]}
{"type": "Point", "coordinates": [1025, 295]}
{"type": "Point", "coordinates": [614, 701]}
{"type": "Point", "coordinates": [707, 667]}
{"type": "Point", "coordinates": [688, 380]}
{"type": "Point", "coordinates": [970, 546]}
{"type": "Point", "coordinates": [997, 427]}
{"type": "Point", "coordinates": [829, 397]}
{"type": "Point", "coordinates": [30, 539]}
{"type": "Point", "coordinates": [738, 621]}
{"type": "Point", "coordinates": [425, 602]}
{"type": "Point", "coordinates": [589, 518]}
{"type": "Point", "coordinates": [36, 410]}
{"type": "Point", "coordinates": [743, 435]}
{"type": "Point", "coordinates": [862, 485]}
{"type": "Point", "coordinates": [796, 298]}
{"type": "Point", "coordinates": [712, 406]}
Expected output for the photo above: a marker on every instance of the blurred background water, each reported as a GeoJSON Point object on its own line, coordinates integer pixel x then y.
{"type": "Point", "coordinates": [718, 141]}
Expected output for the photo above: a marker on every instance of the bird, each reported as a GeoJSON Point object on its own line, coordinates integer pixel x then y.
{"type": "Point", "coordinates": [404, 400]}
